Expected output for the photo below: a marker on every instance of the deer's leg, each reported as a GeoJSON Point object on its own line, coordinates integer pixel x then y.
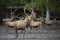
{"type": "Point", "coordinates": [16, 33]}
{"type": "Point", "coordinates": [3, 27]}
{"type": "Point", "coordinates": [6, 30]}
{"type": "Point", "coordinates": [30, 28]}
{"type": "Point", "coordinates": [41, 26]}
{"type": "Point", "coordinates": [54, 25]}
{"type": "Point", "coordinates": [24, 32]}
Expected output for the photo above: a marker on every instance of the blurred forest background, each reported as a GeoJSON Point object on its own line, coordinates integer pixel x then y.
{"type": "Point", "coordinates": [40, 6]}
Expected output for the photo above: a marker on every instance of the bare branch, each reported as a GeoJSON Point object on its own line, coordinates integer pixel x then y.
{"type": "Point", "coordinates": [15, 11]}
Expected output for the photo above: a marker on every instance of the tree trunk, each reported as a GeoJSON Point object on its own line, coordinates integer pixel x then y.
{"type": "Point", "coordinates": [47, 15]}
{"type": "Point", "coordinates": [42, 15]}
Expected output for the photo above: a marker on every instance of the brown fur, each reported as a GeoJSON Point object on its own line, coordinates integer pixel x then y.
{"type": "Point", "coordinates": [19, 24]}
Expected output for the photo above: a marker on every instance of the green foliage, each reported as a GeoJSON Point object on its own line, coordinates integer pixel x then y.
{"type": "Point", "coordinates": [38, 4]}
{"type": "Point", "coordinates": [14, 2]}
{"type": "Point", "coordinates": [53, 5]}
{"type": "Point", "coordinates": [28, 6]}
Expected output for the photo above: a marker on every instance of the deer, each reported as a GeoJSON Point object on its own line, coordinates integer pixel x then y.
{"type": "Point", "coordinates": [19, 24]}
